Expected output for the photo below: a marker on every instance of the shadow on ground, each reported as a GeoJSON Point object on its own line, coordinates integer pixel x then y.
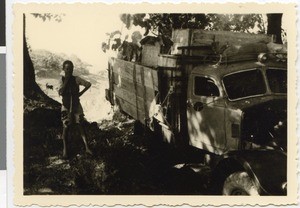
{"type": "Point", "coordinates": [122, 163]}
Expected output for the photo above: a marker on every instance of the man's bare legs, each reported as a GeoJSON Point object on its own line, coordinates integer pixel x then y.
{"type": "Point", "coordinates": [65, 137]}
{"type": "Point", "coordinates": [83, 136]}
{"type": "Point", "coordinates": [65, 140]}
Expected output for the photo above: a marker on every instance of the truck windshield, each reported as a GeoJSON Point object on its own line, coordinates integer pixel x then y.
{"type": "Point", "coordinates": [244, 84]}
{"type": "Point", "coordinates": [277, 79]}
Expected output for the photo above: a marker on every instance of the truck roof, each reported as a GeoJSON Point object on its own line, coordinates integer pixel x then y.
{"type": "Point", "coordinates": [223, 69]}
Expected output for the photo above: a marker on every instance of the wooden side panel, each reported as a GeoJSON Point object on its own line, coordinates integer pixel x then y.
{"type": "Point", "coordinates": [149, 74]}
{"type": "Point", "coordinates": [132, 98]}
{"type": "Point", "coordinates": [167, 61]}
{"type": "Point", "coordinates": [131, 110]}
{"type": "Point", "coordinates": [124, 68]}
{"type": "Point", "coordinates": [150, 54]}
{"type": "Point", "coordinates": [135, 73]}
{"type": "Point", "coordinates": [129, 86]}
{"type": "Point", "coordinates": [134, 88]}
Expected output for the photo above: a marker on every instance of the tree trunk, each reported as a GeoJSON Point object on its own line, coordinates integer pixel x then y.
{"type": "Point", "coordinates": [29, 76]}
{"type": "Point", "coordinates": [274, 26]}
{"type": "Point", "coordinates": [31, 89]}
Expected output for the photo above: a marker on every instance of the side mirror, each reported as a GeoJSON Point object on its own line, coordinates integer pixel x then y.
{"type": "Point", "coordinates": [198, 106]}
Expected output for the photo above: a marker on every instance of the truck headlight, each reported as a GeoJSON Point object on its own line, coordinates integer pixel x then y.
{"type": "Point", "coordinates": [262, 57]}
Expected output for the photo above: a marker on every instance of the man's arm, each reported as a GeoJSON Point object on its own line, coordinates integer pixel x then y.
{"type": "Point", "coordinates": [85, 89]}
{"type": "Point", "coordinates": [84, 83]}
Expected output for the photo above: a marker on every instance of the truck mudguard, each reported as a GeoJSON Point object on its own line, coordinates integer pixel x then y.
{"type": "Point", "coordinates": [267, 168]}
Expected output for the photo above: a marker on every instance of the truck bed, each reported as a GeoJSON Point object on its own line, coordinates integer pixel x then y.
{"type": "Point", "coordinates": [134, 87]}
{"type": "Point", "coordinates": [138, 89]}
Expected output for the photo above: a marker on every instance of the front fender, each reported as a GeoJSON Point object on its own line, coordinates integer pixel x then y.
{"type": "Point", "coordinates": [267, 168]}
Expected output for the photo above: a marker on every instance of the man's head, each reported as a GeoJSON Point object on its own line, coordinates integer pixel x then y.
{"type": "Point", "coordinates": [68, 67]}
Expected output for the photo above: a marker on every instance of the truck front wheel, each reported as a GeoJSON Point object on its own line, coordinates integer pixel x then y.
{"type": "Point", "coordinates": [239, 183]}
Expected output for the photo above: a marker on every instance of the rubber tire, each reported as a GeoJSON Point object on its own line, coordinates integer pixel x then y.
{"type": "Point", "coordinates": [239, 183]}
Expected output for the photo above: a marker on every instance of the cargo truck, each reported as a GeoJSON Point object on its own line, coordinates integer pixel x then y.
{"type": "Point", "coordinates": [223, 93]}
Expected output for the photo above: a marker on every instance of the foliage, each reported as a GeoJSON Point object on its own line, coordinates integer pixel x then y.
{"type": "Point", "coordinates": [164, 23]}
{"type": "Point", "coordinates": [112, 34]}
{"type": "Point", "coordinates": [236, 22]}
{"type": "Point", "coordinates": [49, 16]}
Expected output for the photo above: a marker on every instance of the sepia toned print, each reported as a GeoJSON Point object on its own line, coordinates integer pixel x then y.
{"type": "Point", "coordinates": [155, 106]}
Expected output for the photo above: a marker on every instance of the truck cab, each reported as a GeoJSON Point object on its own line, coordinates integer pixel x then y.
{"type": "Point", "coordinates": [238, 106]}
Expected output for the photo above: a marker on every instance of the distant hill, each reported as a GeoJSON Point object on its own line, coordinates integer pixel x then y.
{"type": "Point", "coordinates": [49, 65]}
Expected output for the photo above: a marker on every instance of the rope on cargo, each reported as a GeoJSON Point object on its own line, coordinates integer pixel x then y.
{"type": "Point", "coordinates": [167, 101]}
{"type": "Point", "coordinates": [171, 90]}
{"type": "Point", "coordinates": [158, 112]}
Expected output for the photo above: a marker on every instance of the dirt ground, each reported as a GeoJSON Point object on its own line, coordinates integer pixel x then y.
{"type": "Point", "coordinates": [122, 162]}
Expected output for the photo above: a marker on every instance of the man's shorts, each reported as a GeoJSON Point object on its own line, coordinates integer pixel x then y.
{"type": "Point", "coordinates": [77, 112]}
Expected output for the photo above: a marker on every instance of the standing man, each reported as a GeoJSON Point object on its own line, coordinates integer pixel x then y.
{"type": "Point", "coordinates": [71, 111]}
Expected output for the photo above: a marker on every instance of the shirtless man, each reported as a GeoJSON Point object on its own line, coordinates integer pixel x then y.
{"type": "Point", "coordinates": [71, 110]}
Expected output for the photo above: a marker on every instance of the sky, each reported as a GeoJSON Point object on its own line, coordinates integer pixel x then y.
{"type": "Point", "coordinates": [80, 34]}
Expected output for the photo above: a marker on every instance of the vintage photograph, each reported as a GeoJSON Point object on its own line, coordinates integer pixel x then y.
{"type": "Point", "coordinates": [154, 103]}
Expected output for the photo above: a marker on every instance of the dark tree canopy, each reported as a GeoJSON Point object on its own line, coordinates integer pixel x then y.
{"type": "Point", "coordinates": [164, 23]}
{"type": "Point", "coordinates": [274, 26]}
{"type": "Point", "coordinates": [236, 22]}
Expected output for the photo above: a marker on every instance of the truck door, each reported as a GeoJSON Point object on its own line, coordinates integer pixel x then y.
{"type": "Point", "coordinates": [206, 114]}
